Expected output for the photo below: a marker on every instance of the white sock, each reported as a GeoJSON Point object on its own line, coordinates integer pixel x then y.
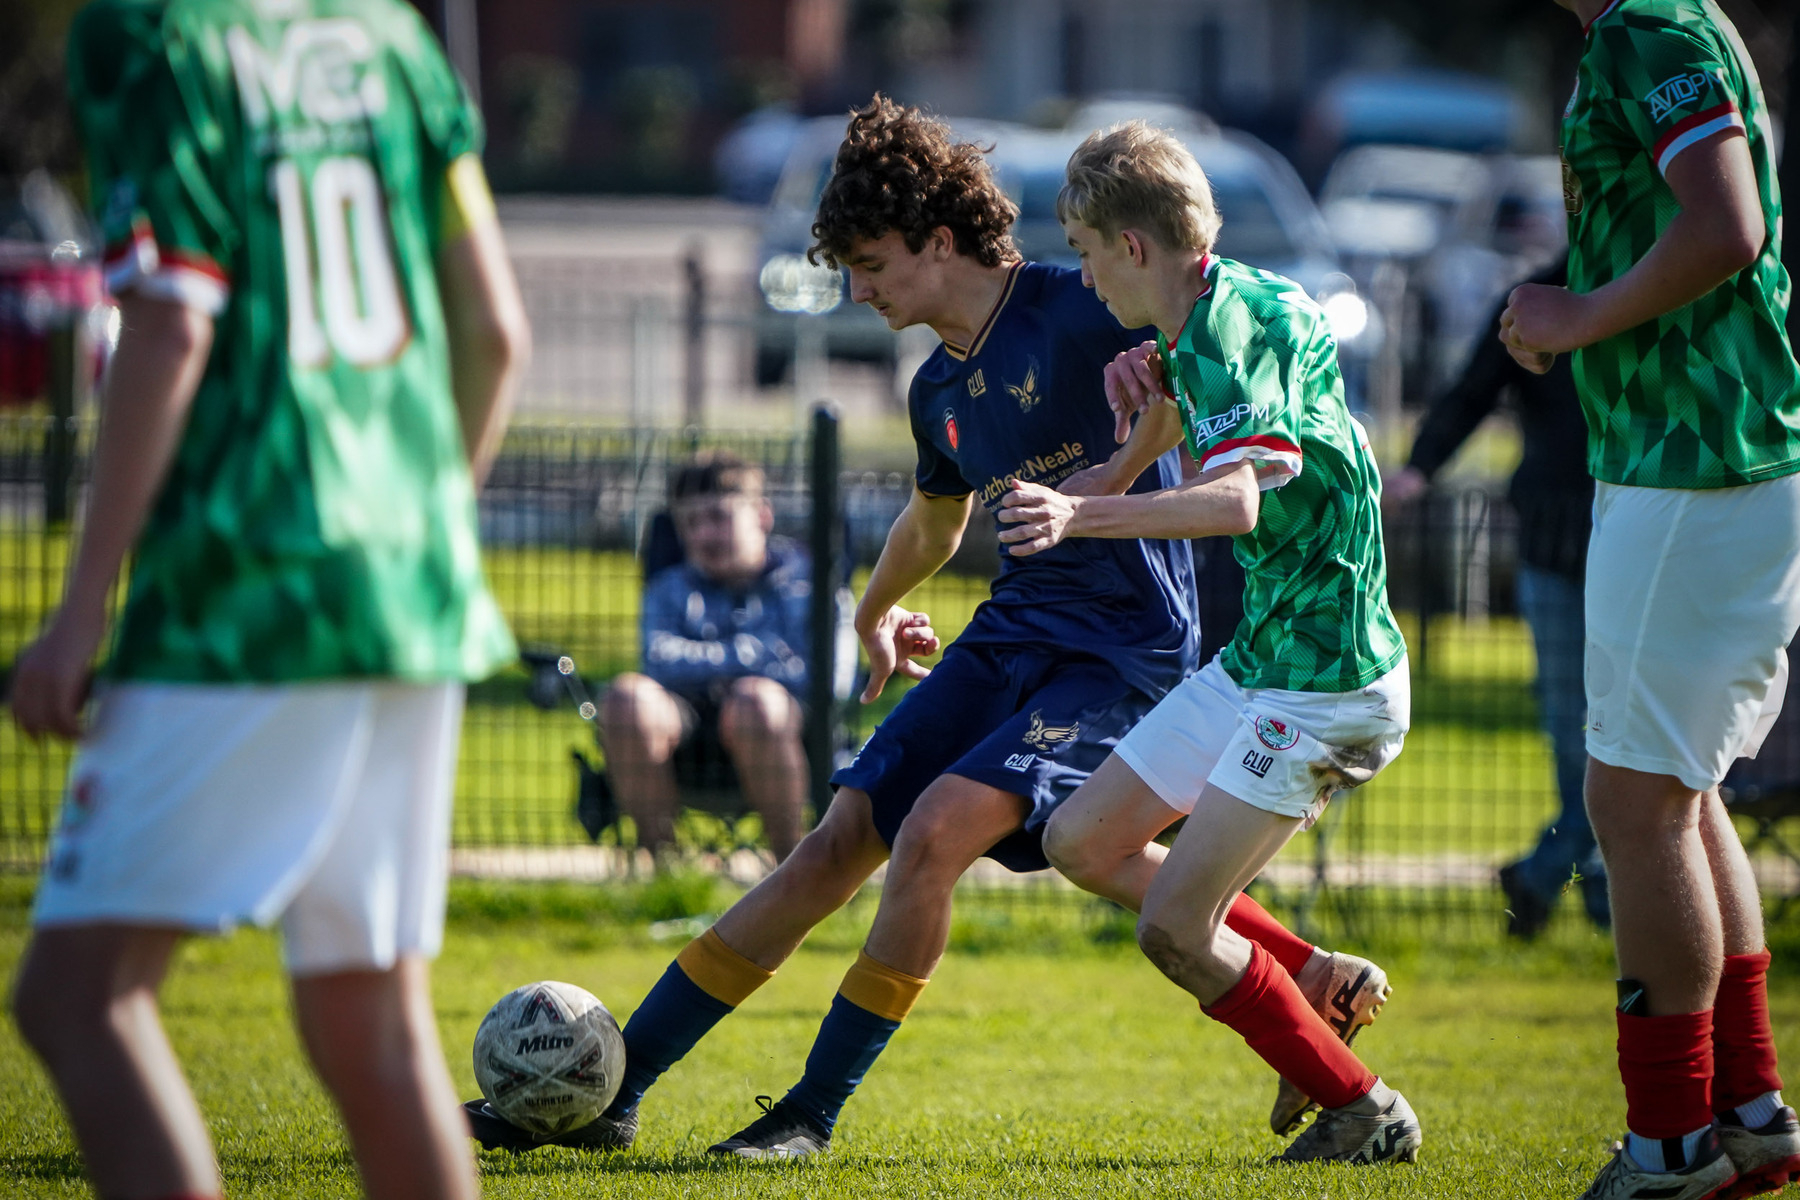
{"type": "Point", "coordinates": [1664, 1154]}
{"type": "Point", "coordinates": [1760, 1111]}
{"type": "Point", "coordinates": [1375, 1100]}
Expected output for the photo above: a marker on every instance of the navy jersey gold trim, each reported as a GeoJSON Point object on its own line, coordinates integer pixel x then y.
{"type": "Point", "coordinates": [961, 353]}
{"type": "Point", "coordinates": [1127, 600]}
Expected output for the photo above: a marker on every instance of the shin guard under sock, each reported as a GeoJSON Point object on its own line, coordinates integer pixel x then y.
{"type": "Point", "coordinates": [1252, 922]}
{"type": "Point", "coordinates": [1266, 1009]}
{"type": "Point", "coordinates": [706, 981]}
{"type": "Point", "coordinates": [870, 1004]}
{"type": "Point", "coordinates": [1744, 1068]}
{"type": "Point", "coordinates": [1666, 1064]}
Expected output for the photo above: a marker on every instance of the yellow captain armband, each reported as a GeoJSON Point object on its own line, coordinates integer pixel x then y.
{"type": "Point", "coordinates": [467, 203]}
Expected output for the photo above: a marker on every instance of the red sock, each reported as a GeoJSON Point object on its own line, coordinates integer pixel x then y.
{"type": "Point", "coordinates": [1743, 1045]}
{"type": "Point", "coordinates": [1252, 921]}
{"type": "Point", "coordinates": [1667, 1066]}
{"type": "Point", "coordinates": [1266, 1009]}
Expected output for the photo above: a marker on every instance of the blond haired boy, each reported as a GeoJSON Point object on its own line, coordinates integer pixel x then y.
{"type": "Point", "coordinates": [1311, 695]}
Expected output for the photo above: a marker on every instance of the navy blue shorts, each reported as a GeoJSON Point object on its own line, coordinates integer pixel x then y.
{"type": "Point", "coordinates": [1032, 722]}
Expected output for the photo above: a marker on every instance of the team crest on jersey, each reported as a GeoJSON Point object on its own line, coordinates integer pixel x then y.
{"type": "Point", "coordinates": [1571, 189]}
{"type": "Point", "coordinates": [950, 429]}
{"type": "Point", "coordinates": [977, 383]}
{"type": "Point", "coordinates": [1042, 737]}
{"type": "Point", "coordinates": [1678, 91]}
{"type": "Point", "coordinates": [1276, 735]}
{"type": "Point", "coordinates": [1027, 393]}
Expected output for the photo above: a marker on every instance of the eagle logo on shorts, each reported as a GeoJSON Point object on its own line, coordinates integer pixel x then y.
{"type": "Point", "coordinates": [1042, 737]}
{"type": "Point", "coordinates": [1276, 735]}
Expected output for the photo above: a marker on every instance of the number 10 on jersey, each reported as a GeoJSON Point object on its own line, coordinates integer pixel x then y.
{"type": "Point", "coordinates": [342, 290]}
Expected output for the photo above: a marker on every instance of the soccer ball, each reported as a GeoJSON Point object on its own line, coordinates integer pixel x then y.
{"type": "Point", "coordinates": [549, 1057]}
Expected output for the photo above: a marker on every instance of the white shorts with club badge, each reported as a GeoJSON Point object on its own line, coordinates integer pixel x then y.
{"type": "Point", "coordinates": [322, 806]}
{"type": "Point", "coordinates": [1283, 752]}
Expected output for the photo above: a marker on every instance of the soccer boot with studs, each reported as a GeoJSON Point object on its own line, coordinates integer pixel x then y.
{"type": "Point", "coordinates": [495, 1132]}
{"type": "Point", "coordinates": [1709, 1177]}
{"type": "Point", "coordinates": [782, 1132]}
{"type": "Point", "coordinates": [1767, 1158]}
{"type": "Point", "coordinates": [1391, 1134]}
{"type": "Point", "coordinates": [1348, 993]}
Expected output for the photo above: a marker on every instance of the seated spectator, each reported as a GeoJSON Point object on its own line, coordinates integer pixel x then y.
{"type": "Point", "coordinates": [723, 652]}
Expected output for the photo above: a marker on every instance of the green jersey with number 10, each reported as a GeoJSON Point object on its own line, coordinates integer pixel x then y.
{"type": "Point", "coordinates": [280, 164]}
{"type": "Point", "coordinates": [1707, 395]}
{"type": "Point", "coordinates": [1254, 373]}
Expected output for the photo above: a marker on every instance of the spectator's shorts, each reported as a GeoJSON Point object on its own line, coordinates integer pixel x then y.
{"type": "Point", "coordinates": [1032, 722]}
{"type": "Point", "coordinates": [1692, 597]}
{"type": "Point", "coordinates": [324, 806]}
{"type": "Point", "coordinates": [1284, 752]}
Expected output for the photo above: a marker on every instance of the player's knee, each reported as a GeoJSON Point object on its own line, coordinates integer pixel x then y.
{"type": "Point", "coordinates": [1181, 949]}
{"type": "Point", "coordinates": [50, 1013]}
{"type": "Point", "coordinates": [1075, 855]}
{"type": "Point", "coordinates": [929, 843]}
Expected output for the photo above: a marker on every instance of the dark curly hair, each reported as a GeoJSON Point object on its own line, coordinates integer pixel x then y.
{"type": "Point", "coordinates": [899, 171]}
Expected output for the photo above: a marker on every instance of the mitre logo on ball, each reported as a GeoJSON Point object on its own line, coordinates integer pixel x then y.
{"type": "Point", "coordinates": [549, 1057]}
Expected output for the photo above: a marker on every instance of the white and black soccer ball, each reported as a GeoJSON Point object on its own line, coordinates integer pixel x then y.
{"type": "Point", "coordinates": [549, 1057]}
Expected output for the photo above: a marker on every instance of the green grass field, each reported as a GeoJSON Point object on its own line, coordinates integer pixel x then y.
{"type": "Point", "coordinates": [1043, 1061]}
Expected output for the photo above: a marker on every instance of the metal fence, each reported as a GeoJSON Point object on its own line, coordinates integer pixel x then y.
{"type": "Point", "coordinates": [570, 513]}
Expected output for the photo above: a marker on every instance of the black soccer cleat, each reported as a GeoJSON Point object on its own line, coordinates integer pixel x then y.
{"type": "Point", "coordinates": [783, 1131]}
{"type": "Point", "coordinates": [495, 1132]}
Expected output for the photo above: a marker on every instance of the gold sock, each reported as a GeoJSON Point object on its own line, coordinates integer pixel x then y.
{"type": "Point", "coordinates": [720, 971]}
{"type": "Point", "coordinates": [880, 989]}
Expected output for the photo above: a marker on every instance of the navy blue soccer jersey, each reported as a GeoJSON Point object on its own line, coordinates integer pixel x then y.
{"type": "Point", "coordinates": [1026, 400]}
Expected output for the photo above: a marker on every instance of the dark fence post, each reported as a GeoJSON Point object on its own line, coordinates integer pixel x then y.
{"type": "Point", "coordinates": [1421, 660]}
{"type": "Point", "coordinates": [67, 378]}
{"type": "Point", "coordinates": [695, 397]}
{"type": "Point", "coordinates": [827, 537]}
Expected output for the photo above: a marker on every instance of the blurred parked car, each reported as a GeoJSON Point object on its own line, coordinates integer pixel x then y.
{"type": "Point", "coordinates": [750, 157]}
{"type": "Point", "coordinates": [1462, 227]}
{"type": "Point", "coordinates": [1450, 110]}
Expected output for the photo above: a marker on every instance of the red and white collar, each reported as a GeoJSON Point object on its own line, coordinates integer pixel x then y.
{"type": "Point", "coordinates": [1208, 264]}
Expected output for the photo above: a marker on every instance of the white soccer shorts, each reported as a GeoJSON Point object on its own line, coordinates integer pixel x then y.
{"type": "Point", "coordinates": [1284, 752]}
{"type": "Point", "coordinates": [1692, 597]}
{"type": "Point", "coordinates": [324, 806]}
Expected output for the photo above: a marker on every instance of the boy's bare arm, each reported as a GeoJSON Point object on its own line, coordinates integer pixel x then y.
{"type": "Point", "coordinates": [921, 541]}
{"type": "Point", "coordinates": [144, 406]}
{"type": "Point", "coordinates": [1225, 500]}
{"type": "Point", "coordinates": [1718, 232]}
{"type": "Point", "coordinates": [490, 338]}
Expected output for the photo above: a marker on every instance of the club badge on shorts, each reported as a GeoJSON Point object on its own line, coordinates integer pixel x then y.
{"type": "Point", "coordinates": [1276, 735]}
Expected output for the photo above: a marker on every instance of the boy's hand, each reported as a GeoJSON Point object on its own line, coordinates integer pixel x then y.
{"type": "Point", "coordinates": [1134, 382]}
{"type": "Point", "coordinates": [52, 676]}
{"type": "Point", "coordinates": [1541, 322]}
{"type": "Point", "coordinates": [897, 638]}
{"type": "Point", "coordinates": [1036, 517]}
